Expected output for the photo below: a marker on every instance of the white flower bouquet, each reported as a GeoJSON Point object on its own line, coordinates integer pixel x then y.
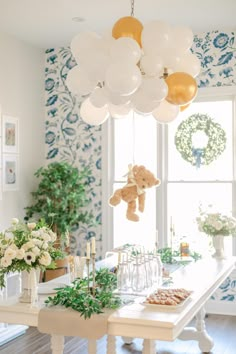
{"type": "Point", "coordinates": [26, 246]}
{"type": "Point", "coordinates": [215, 224]}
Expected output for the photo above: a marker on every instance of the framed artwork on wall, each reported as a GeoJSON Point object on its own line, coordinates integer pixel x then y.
{"type": "Point", "coordinates": [10, 134]}
{"type": "Point", "coordinates": [10, 166]}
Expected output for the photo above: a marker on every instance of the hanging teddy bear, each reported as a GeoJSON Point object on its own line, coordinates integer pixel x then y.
{"type": "Point", "coordinates": [139, 179]}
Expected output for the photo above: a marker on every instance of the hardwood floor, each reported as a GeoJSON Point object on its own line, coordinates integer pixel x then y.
{"type": "Point", "coordinates": [221, 328]}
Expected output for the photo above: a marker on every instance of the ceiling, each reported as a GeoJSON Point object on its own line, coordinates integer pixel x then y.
{"type": "Point", "coordinates": [48, 23]}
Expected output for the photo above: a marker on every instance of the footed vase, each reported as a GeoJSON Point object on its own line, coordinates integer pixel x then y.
{"type": "Point", "coordinates": [218, 244]}
{"type": "Point", "coordinates": [29, 286]}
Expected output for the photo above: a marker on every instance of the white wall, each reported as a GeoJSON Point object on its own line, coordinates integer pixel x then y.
{"type": "Point", "coordinates": [22, 96]}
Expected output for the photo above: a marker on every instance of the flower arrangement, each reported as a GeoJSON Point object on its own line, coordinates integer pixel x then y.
{"type": "Point", "coordinates": [214, 224]}
{"type": "Point", "coordinates": [26, 246]}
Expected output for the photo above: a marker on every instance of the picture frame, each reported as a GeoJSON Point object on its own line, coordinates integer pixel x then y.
{"type": "Point", "coordinates": [10, 172]}
{"type": "Point", "coordinates": [10, 134]}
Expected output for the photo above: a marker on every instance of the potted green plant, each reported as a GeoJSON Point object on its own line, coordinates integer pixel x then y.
{"type": "Point", "coordinates": [60, 199]}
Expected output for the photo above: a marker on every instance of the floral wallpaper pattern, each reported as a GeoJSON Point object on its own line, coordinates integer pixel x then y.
{"type": "Point", "coordinates": [68, 138]}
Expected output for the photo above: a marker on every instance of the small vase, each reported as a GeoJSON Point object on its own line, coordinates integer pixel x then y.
{"type": "Point", "coordinates": [218, 244]}
{"type": "Point", "coordinates": [29, 286]}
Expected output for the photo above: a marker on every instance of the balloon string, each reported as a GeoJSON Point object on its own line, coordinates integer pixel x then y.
{"type": "Point", "coordinates": [133, 133]}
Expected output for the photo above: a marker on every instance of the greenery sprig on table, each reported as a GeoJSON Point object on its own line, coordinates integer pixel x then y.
{"type": "Point", "coordinates": [77, 296]}
{"type": "Point", "coordinates": [168, 255]}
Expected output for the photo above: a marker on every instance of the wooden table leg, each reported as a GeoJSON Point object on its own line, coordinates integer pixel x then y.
{"type": "Point", "coordinates": [149, 346]}
{"type": "Point", "coordinates": [205, 342]}
{"type": "Point", "coordinates": [57, 344]}
{"type": "Point", "coordinates": [111, 344]}
{"type": "Point", "coordinates": [92, 346]}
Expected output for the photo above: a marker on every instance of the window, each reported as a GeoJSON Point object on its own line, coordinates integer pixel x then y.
{"type": "Point", "coordinates": [141, 140]}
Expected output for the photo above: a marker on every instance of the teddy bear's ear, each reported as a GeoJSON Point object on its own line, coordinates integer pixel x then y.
{"type": "Point", "coordinates": [157, 182]}
{"type": "Point", "coordinates": [135, 169]}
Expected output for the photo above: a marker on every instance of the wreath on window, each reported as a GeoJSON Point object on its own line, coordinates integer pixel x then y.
{"type": "Point", "coordinates": [198, 155]}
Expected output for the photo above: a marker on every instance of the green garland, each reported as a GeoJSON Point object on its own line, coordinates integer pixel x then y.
{"type": "Point", "coordinates": [216, 139]}
{"type": "Point", "coordinates": [77, 296]}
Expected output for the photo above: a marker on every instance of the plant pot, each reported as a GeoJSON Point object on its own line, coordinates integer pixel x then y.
{"type": "Point", "coordinates": [62, 268]}
{"type": "Point", "coordinates": [218, 244]}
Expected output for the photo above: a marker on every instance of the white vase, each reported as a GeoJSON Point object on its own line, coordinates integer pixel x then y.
{"type": "Point", "coordinates": [29, 286]}
{"type": "Point", "coordinates": [218, 244]}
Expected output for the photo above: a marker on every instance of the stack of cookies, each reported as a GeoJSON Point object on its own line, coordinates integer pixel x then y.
{"type": "Point", "coordinates": [171, 297]}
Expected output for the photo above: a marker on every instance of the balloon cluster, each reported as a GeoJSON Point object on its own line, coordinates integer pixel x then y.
{"type": "Point", "coordinates": [149, 69]}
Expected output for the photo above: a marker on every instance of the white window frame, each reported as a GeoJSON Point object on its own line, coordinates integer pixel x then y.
{"type": "Point", "coordinates": [162, 135]}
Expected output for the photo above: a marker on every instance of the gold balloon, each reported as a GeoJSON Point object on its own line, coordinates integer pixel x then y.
{"type": "Point", "coordinates": [182, 88]}
{"type": "Point", "coordinates": [128, 27]}
{"type": "Point", "coordinates": [182, 108]}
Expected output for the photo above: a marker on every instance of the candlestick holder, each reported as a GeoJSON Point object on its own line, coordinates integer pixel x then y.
{"type": "Point", "coordinates": [93, 271]}
{"type": "Point", "coordinates": [88, 264]}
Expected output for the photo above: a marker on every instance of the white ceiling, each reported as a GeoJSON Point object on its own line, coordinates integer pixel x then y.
{"type": "Point", "coordinates": [48, 23]}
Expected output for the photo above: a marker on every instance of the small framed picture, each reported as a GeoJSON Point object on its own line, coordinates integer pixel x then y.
{"type": "Point", "coordinates": [10, 172]}
{"type": "Point", "coordinates": [10, 134]}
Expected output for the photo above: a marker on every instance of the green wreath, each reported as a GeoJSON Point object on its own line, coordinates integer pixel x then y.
{"type": "Point", "coordinates": [216, 140]}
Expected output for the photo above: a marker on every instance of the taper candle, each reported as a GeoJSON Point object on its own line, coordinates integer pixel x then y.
{"type": "Point", "coordinates": [156, 238]}
{"type": "Point", "coordinates": [88, 250]}
{"type": "Point", "coordinates": [93, 240]}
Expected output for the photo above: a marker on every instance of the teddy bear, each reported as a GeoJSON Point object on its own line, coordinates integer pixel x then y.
{"type": "Point", "coordinates": [139, 179]}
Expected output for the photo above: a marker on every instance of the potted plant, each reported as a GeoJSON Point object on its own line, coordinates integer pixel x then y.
{"type": "Point", "coordinates": [61, 195]}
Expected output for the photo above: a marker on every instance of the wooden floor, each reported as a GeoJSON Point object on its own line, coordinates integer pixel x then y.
{"type": "Point", "coordinates": [221, 328]}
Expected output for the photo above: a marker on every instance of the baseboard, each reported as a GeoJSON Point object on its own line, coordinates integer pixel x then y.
{"type": "Point", "coordinates": [10, 332]}
{"type": "Point", "coordinates": [221, 307]}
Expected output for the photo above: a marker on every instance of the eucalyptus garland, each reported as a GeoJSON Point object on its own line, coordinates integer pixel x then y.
{"type": "Point", "coordinates": [77, 296]}
{"type": "Point", "coordinates": [216, 140]}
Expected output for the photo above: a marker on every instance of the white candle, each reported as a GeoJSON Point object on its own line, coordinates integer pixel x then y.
{"type": "Point", "coordinates": [93, 245]}
{"type": "Point", "coordinates": [171, 223]}
{"type": "Point", "coordinates": [88, 250]}
{"type": "Point", "coordinates": [119, 257]}
{"type": "Point", "coordinates": [156, 238]}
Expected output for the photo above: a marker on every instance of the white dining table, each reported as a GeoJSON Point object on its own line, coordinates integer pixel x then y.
{"type": "Point", "coordinates": [152, 323]}
{"type": "Point", "coordinates": [138, 320]}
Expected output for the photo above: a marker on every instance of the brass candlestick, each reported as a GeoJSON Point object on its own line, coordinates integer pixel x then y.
{"type": "Point", "coordinates": [88, 263]}
{"type": "Point", "coordinates": [93, 270]}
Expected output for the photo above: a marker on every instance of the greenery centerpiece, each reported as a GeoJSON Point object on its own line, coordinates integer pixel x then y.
{"type": "Point", "coordinates": [24, 247]}
{"type": "Point", "coordinates": [78, 297]}
{"type": "Point", "coordinates": [60, 199]}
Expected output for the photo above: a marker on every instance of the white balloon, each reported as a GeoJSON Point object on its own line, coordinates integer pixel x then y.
{"type": "Point", "coordinates": [78, 82]}
{"type": "Point", "coordinates": [125, 49]}
{"type": "Point", "coordinates": [93, 115]}
{"type": "Point", "coordinates": [155, 36]}
{"type": "Point", "coordinates": [123, 78]}
{"type": "Point", "coordinates": [95, 63]}
{"type": "Point", "coordinates": [142, 103]}
{"type": "Point", "coordinates": [116, 99]}
{"type": "Point", "coordinates": [98, 97]}
{"type": "Point", "coordinates": [166, 112]}
{"type": "Point", "coordinates": [107, 41]}
{"type": "Point", "coordinates": [182, 37]}
{"type": "Point", "coordinates": [154, 88]}
{"type": "Point", "coordinates": [151, 64]}
{"type": "Point", "coordinates": [84, 41]}
{"type": "Point", "coordinates": [189, 64]}
{"type": "Point", "coordinates": [119, 111]}
{"type": "Point", "coordinates": [171, 57]}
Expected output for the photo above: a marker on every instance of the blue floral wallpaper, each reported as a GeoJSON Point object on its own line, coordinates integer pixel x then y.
{"type": "Point", "coordinates": [217, 53]}
{"type": "Point", "coordinates": [68, 138]}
